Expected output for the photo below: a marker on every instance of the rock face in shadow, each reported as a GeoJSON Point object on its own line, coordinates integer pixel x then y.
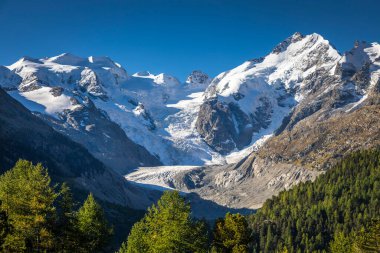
{"type": "Point", "coordinates": [226, 127]}
{"type": "Point", "coordinates": [103, 138]}
{"type": "Point", "coordinates": [25, 136]}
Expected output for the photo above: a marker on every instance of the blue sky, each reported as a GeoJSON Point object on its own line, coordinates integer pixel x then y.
{"type": "Point", "coordinates": [177, 36]}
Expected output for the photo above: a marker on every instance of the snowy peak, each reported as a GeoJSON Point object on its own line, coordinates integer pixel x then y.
{"type": "Point", "coordinates": [198, 79]}
{"type": "Point", "coordinates": [284, 44]}
{"type": "Point", "coordinates": [166, 80]}
{"type": "Point", "coordinates": [67, 71]}
{"type": "Point", "coordinates": [162, 79]}
{"type": "Point", "coordinates": [360, 56]}
{"type": "Point", "coordinates": [103, 61]}
{"type": "Point", "coordinates": [356, 57]}
{"type": "Point", "coordinates": [67, 59]}
{"type": "Point", "coordinates": [144, 74]}
{"type": "Point", "coordinates": [285, 68]}
{"type": "Point", "coordinates": [91, 61]}
{"type": "Point", "coordinates": [251, 100]}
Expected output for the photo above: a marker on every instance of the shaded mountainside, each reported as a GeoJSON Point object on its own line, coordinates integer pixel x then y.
{"type": "Point", "coordinates": [102, 137]}
{"type": "Point", "coordinates": [23, 135]}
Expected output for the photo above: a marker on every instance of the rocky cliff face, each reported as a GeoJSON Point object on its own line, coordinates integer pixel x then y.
{"type": "Point", "coordinates": [197, 80]}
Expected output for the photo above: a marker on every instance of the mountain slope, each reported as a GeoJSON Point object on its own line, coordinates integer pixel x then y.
{"type": "Point", "coordinates": [250, 101]}
{"type": "Point", "coordinates": [337, 115]}
{"type": "Point", "coordinates": [346, 118]}
{"type": "Point", "coordinates": [62, 95]}
{"type": "Point", "coordinates": [93, 101]}
{"type": "Point", "coordinates": [307, 217]}
{"type": "Point", "coordinates": [25, 136]}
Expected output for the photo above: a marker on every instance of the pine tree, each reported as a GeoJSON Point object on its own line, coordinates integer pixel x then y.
{"type": "Point", "coordinates": [67, 235]}
{"type": "Point", "coordinates": [92, 226]}
{"type": "Point", "coordinates": [168, 227]}
{"type": "Point", "coordinates": [232, 234]}
{"type": "Point", "coordinates": [138, 239]}
{"type": "Point", "coordinates": [123, 248]}
{"type": "Point", "coordinates": [341, 244]}
{"type": "Point", "coordinates": [28, 199]}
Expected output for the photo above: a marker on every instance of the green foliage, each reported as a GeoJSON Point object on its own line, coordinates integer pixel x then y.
{"type": "Point", "coordinates": [167, 227]}
{"type": "Point", "coordinates": [341, 244]}
{"type": "Point", "coordinates": [4, 226]}
{"type": "Point", "coordinates": [66, 231]}
{"type": "Point", "coordinates": [34, 217]}
{"type": "Point", "coordinates": [306, 218]}
{"type": "Point", "coordinates": [28, 200]}
{"type": "Point", "coordinates": [92, 226]}
{"type": "Point", "coordinates": [138, 239]}
{"type": "Point", "coordinates": [368, 240]}
{"type": "Point", "coordinates": [231, 234]}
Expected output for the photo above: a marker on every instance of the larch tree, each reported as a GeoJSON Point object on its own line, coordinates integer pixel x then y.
{"type": "Point", "coordinates": [28, 199]}
{"type": "Point", "coordinates": [168, 227]}
{"type": "Point", "coordinates": [231, 234]}
{"type": "Point", "coordinates": [92, 226]}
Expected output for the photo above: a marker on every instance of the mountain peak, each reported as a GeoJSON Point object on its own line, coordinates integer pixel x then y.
{"type": "Point", "coordinates": [166, 80]}
{"type": "Point", "coordinates": [361, 44]}
{"type": "Point", "coordinates": [66, 59]}
{"type": "Point", "coordinates": [284, 44]}
{"type": "Point", "coordinates": [297, 36]}
{"type": "Point", "coordinates": [142, 74]}
{"type": "Point", "coordinates": [197, 76]}
{"type": "Point", "coordinates": [198, 79]}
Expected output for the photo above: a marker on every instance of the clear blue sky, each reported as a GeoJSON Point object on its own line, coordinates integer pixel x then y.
{"type": "Point", "coordinates": [177, 36]}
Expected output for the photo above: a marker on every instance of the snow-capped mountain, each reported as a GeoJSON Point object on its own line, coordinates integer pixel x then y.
{"type": "Point", "coordinates": [251, 100]}
{"type": "Point", "coordinates": [319, 106]}
{"type": "Point", "coordinates": [125, 121]}
{"type": "Point", "coordinates": [198, 80]}
{"type": "Point", "coordinates": [145, 119]}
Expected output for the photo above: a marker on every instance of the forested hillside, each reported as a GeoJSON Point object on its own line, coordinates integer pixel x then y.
{"type": "Point", "coordinates": [306, 218]}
